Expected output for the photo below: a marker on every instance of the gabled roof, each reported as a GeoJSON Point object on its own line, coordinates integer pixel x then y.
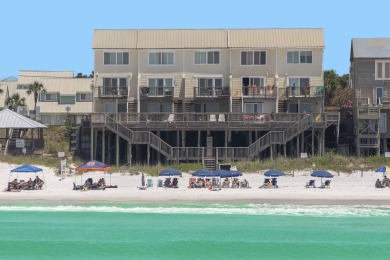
{"type": "Point", "coordinates": [370, 48]}
{"type": "Point", "coordinates": [11, 119]}
{"type": "Point", "coordinates": [10, 78]}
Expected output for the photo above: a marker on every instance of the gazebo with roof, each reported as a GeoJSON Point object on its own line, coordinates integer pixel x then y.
{"type": "Point", "coordinates": [16, 126]}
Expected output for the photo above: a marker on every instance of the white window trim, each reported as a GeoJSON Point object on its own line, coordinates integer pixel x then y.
{"type": "Point", "coordinates": [104, 52]}
{"type": "Point", "coordinates": [299, 56]}
{"type": "Point", "coordinates": [213, 78]}
{"type": "Point", "coordinates": [161, 51]}
{"type": "Point", "coordinates": [259, 104]}
{"type": "Point", "coordinates": [383, 69]}
{"type": "Point", "coordinates": [254, 65]}
{"type": "Point", "coordinates": [206, 64]}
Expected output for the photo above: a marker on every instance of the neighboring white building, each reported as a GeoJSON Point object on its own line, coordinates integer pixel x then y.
{"type": "Point", "coordinates": [64, 95]}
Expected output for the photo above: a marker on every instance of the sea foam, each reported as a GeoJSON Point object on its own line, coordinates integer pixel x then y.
{"type": "Point", "coordinates": [225, 209]}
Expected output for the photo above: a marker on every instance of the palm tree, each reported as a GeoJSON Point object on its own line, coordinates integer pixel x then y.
{"type": "Point", "coordinates": [36, 88]}
{"type": "Point", "coordinates": [14, 101]}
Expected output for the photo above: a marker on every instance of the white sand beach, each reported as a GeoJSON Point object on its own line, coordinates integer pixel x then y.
{"type": "Point", "coordinates": [345, 188]}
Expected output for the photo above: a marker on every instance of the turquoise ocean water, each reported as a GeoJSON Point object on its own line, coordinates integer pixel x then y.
{"type": "Point", "coordinates": [193, 231]}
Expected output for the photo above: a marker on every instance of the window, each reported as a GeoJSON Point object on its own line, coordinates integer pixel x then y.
{"type": "Point", "coordinates": [161, 82]}
{"type": "Point", "coordinates": [298, 82]}
{"type": "Point", "coordinates": [253, 108]}
{"type": "Point", "coordinates": [160, 107]}
{"type": "Point", "coordinates": [114, 82]}
{"type": "Point", "coordinates": [258, 82]}
{"type": "Point", "coordinates": [295, 57]}
{"type": "Point", "coordinates": [204, 57]}
{"type": "Point", "coordinates": [253, 58]}
{"type": "Point", "coordinates": [22, 86]}
{"type": "Point", "coordinates": [84, 97]}
{"type": "Point", "coordinates": [116, 58]}
{"type": "Point", "coordinates": [49, 97]}
{"type": "Point", "coordinates": [161, 58]}
{"type": "Point", "coordinates": [209, 82]}
{"type": "Point", "coordinates": [67, 100]}
{"type": "Point", "coordinates": [382, 70]}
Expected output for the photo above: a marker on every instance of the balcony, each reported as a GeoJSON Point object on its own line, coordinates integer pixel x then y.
{"type": "Point", "coordinates": [259, 92]}
{"type": "Point", "coordinates": [156, 91]}
{"type": "Point", "coordinates": [211, 92]}
{"type": "Point", "coordinates": [305, 91]}
{"type": "Point", "coordinates": [113, 92]}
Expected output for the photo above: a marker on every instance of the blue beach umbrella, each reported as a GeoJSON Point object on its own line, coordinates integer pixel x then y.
{"type": "Point", "coordinates": [322, 174]}
{"type": "Point", "coordinates": [227, 174]}
{"type": "Point", "coordinates": [170, 172]}
{"type": "Point", "coordinates": [203, 173]}
{"type": "Point", "coordinates": [274, 173]}
{"type": "Point", "coordinates": [383, 169]}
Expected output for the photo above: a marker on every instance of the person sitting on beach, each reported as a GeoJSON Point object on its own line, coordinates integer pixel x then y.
{"type": "Point", "coordinates": [38, 183]}
{"type": "Point", "coordinates": [29, 184]}
{"type": "Point", "coordinates": [226, 183]}
{"type": "Point", "coordinates": [101, 182]}
{"type": "Point", "coordinates": [15, 185]}
{"type": "Point", "coordinates": [378, 184]}
{"type": "Point", "coordinates": [386, 181]}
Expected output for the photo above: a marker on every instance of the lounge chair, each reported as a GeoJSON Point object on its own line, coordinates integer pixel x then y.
{"type": "Point", "coordinates": [266, 184]}
{"type": "Point", "coordinates": [244, 184]}
{"type": "Point", "coordinates": [175, 183]}
{"type": "Point", "coordinates": [77, 187]}
{"type": "Point", "coordinates": [167, 183]}
{"type": "Point", "coordinates": [159, 183]}
{"type": "Point", "coordinates": [150, 183]}
{"type": "Point", "coordinates": [326, 184]}
{"type": "Point", "coordinates": [226, 183]}
{"type": "Point", "coordinates": [310, 184]}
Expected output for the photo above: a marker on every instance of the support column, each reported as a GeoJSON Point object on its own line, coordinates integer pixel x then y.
{"type": "Point", "coordinates": [103, 146]}
{"type": "Point", "coordinates": [129, 153]}
{"type": "Point", "coordinates": [159, 152]}
{"type": "Point", "coordinates": [323, 142]}
{"type": "Point", "coordinates": [284, 150]}
{"type": "Point", "coordinates": [109, 155]}
{"type": "Point", "coordinates": [271, 151]}
{"type": "Point", "coordinates": [298, 151]}
{"type": "Point", "coordinates": [91, 146]}
{"type": "Point", "coordinates": [148, 154]}
{"type": "Point", "coordinates": [303, 143]}
{"type": "Point", "coordinates": [117, 149]}
{"type": "Point", "coordinates": [312, 142]}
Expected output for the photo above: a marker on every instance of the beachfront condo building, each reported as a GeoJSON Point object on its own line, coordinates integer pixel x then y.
{"type": "Point", "coordinates": [370, 80]}
{"type": "Point", "coordinates": [65, 97]}
{"type": "Point", "coordinates": [208, 95]}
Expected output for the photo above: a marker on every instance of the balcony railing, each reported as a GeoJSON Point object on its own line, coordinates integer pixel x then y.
{"type": "Point", "coordinates": [156, 91]}
{"type": "Point", "coordinates": [305, 91]}
{"type": "Point", "coordinates": [211, 92]}
{"type": "Point", "coordinates": [259, 92]}
{"type": "Point", "coordinates": [113, 92]}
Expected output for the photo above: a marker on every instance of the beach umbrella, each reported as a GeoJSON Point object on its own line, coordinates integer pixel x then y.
{"type": "Point", "coordinates": [170, 172]}
{"type": "Point", "coordinates": [227, 174]}
{"type": "Point", "coordinates": [322, 174]}
{"type": "Point", "coordinates": [92, 166]}
{"type": "Point", "coordinates": [383, 169]}
{"type": "Point", "coordinates": [26, 169]}
{"type": "Point", "coordinates": [203, 173]}
{"type": "Point", "coordinates": [274, 173]}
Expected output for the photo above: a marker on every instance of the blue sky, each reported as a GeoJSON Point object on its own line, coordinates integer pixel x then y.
{"type": "Point", "coordinates": [57, 35]}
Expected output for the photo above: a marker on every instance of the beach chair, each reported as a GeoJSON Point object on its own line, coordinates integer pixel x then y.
{"type": "Point", "coordinates": [167, 183]}
{"type": "Point", "coordinates": [274, 183]}
{"type": "Point", "coordinates": [175, 183]}
{"type": "Point", "coordinates": [213, 118]}
{"type": "Point", "coordinates": [226, 183]}
{"type": "Point", "coordinates": [326, 184]}
{"type": "Point", "coordinates": [170, 118]}
{"type": "Point", "coordinates": [266, 184]}
{"type": "Point", "coordinates": [221, 118]}
{"type": "Point", "coordinates": [150, 183]}
{"type": "Point", "coordinates": [77, 187]}
{"type": "Point", "coordinates": [159, 183]}
{"type": "Point", "coordinates": [310, 184]}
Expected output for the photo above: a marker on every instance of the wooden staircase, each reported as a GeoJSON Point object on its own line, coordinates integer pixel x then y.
{"type": "Point", "coordinates": [282, 106]}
